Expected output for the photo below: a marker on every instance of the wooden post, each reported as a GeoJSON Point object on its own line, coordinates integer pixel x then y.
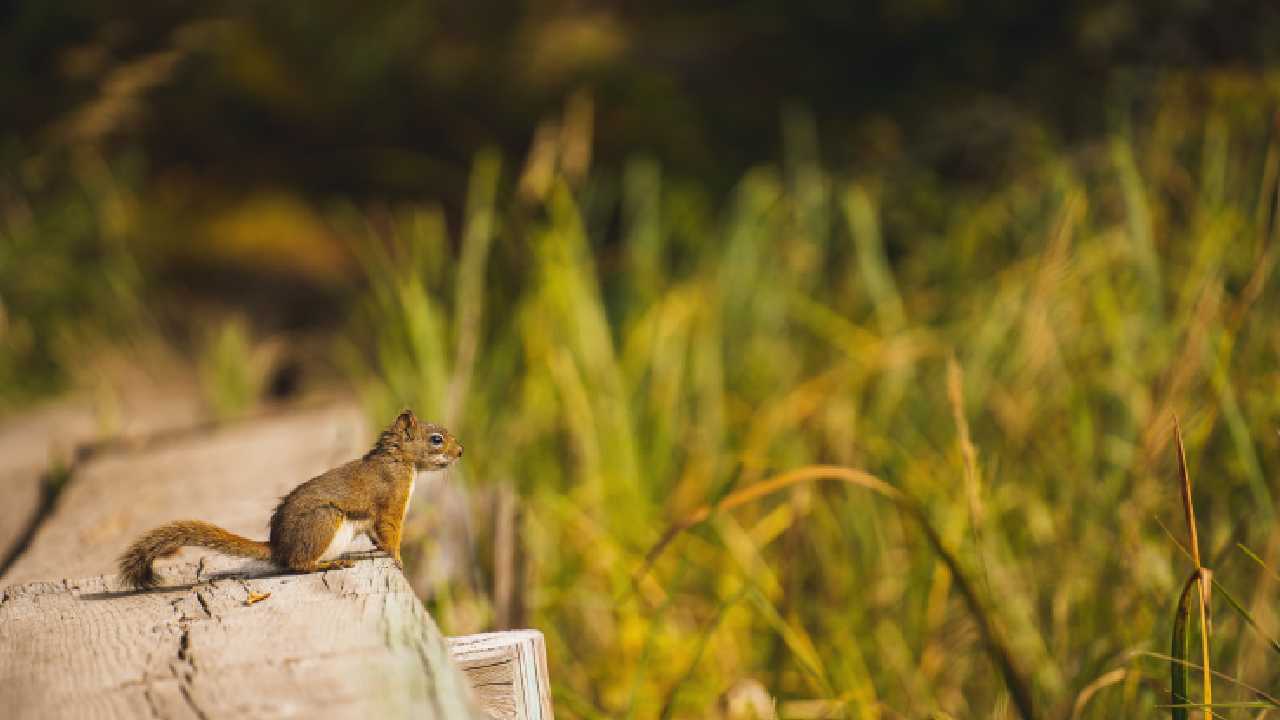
{"type": "Point", "coordinates": [508, 671]}
{"type": "Point", "coordinates": [508, 559]}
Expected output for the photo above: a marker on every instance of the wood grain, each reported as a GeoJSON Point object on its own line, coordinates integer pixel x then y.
{"type": "Point", "coordinates": [508, 671]}
{"type": "Point", "coordinates": [48, 437]}
{"type": "Point", "coordinates": [343, 643]}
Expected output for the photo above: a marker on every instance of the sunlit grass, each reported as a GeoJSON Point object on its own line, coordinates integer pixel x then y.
{"type": "Point", "coordinates": [623, 356]}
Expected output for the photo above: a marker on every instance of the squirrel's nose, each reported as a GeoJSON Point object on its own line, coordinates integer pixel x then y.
{"type": "Point", "coordinates": [459, 450]}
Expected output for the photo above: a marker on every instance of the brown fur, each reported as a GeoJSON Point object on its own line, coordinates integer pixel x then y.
{"type": "Point", "coordinates": [373, 491]}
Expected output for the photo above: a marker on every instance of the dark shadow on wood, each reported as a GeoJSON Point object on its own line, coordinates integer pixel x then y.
{"type": "Point", "coordinates": [52, 483]}
{"type": "Point", "coordinates": [224, 575]}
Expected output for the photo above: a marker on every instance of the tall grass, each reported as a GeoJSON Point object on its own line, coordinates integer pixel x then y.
{"type": "Point", "coordinates": [67, 279]}
{"type": "Point", "coordinates": [623, 355]}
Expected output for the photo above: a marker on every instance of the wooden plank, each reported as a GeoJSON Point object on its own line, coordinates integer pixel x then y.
{"type": "Point", "coordinates": [47, 437]}
{"type": "Point", "coordinates": [338, 644]}
{"type": "Point", "coordinates": [231, 476]}
{"type": "Point", "coordinates": [508, 672]}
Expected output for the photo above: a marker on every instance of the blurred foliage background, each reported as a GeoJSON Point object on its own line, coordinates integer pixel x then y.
{"type": "Point", "coordinates": [643, 256]}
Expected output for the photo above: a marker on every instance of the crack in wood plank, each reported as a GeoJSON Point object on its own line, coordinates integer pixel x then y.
{"type": "Point", "coordinates": [369, 652]}
{"type": "Point", "coordinates": [184, 670]}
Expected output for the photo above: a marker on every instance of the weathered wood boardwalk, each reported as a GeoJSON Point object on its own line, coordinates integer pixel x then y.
{"type": "Point", "coordinates": [226, 637]}
{"type": "Point", "coordinates": [346, 643]}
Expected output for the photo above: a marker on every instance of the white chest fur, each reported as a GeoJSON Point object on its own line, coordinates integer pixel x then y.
{"type": "Point", "coordinates": [413, 482]}
{"type": "Point", "coordinates": [349, 531]}
{"type": "Point", "coordinates": [341, 540]}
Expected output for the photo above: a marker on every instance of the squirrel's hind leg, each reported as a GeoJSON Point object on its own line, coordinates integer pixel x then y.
{"type": "Point", "coordinates": [315, 543]}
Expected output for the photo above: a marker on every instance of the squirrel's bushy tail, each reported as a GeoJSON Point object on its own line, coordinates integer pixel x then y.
{"type": "Point", "coordinates": [135, 563]}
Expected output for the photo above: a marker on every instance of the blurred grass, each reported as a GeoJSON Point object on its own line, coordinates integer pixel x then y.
{"type": "Point", "coordinates": [623, 354]}
{"type": "Point", "coordinates": [232, 371]}
{"type": "Point", "coordinates": [67, 276]}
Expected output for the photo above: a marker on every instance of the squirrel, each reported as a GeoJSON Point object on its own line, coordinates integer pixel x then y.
{"type": "Point", "coordinates": [317, 520]}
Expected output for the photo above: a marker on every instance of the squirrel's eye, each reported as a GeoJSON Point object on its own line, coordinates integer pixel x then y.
{"type": "Point", "coordinates": [437, 439]}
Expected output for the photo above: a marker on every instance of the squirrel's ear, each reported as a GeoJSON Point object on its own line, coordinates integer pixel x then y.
{"type": "Point", "coordinates": [405, 423]}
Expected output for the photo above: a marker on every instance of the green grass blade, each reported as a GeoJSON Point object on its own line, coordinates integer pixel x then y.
{"type": "Point", "coordinates": [1180, 648]}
